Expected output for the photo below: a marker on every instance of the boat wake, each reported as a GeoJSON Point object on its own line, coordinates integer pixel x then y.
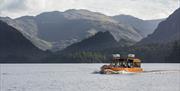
{"type": "Point", "coordinates": [144, 72]}
{"type": "Point", "coordinates": [161, 71]}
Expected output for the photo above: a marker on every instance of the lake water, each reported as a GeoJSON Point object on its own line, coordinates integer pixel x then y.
{"type": "Point", "coordinates": [81, 77]}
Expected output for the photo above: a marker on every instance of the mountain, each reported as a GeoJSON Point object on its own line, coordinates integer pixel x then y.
{"type": "Point", "coordinates": [167, 31]}
{"type": "Point", "coordinates": [144, 27]}
{"type": "Point", "coordinates": [99, 41]}
{"type": "Point", "coordinates": [15, 47]}
{"type": "Point", "coordinates": [57, 30]}
{"type": "Point", "coordinates": [66, 28]}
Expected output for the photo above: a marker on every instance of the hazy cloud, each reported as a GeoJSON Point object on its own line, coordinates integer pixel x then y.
{"type": "Point", "coordinates": [145, 9]}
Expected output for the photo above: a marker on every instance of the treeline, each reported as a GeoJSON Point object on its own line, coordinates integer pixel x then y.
{"type": "Point", "coordinates": [174, 55]}
{"type": "Point", "coordinates": [78, 57]}
{"type": "Point", "coordinates": [153, 53]}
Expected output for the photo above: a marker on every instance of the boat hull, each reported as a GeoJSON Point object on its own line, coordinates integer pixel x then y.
{"type": "Point", "coordinates": [127, 69]}
{"type": "Point", "coordinates": [107, 69]}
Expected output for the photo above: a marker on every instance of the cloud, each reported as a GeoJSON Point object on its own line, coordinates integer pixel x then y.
{"type": "Point", "coordinates": [145, 9]}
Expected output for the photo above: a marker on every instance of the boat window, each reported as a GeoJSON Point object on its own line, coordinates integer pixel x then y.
{"type": "Point", "coordinates": [137, 64]}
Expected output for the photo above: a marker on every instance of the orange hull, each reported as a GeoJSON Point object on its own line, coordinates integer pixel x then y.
{"type": "Point", "coordinates": [127, 69]}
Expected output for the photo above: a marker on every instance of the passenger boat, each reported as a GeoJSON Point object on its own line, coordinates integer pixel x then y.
{"type": "Point", "coordinates": [122, 64]}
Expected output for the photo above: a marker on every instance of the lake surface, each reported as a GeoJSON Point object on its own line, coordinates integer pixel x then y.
{"type": "Point", "coordinates": [81, 77]}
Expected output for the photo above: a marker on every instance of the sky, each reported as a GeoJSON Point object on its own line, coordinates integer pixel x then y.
{"type": "Point", "coordinates": [143, 9]}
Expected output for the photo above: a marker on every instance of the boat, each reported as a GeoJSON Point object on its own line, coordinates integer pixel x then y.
{"type": "Point", "coordinates": [129, 64]}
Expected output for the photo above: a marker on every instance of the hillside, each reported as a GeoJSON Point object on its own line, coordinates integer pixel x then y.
{"type": "Point", "coordinates": [144, 27]}
{"type": "Point", "coordinates": [167, 31]}
{"type": "Point", "coordinates": [27, 26]}
{"type": "Point", "coordinates": [15, 47]}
